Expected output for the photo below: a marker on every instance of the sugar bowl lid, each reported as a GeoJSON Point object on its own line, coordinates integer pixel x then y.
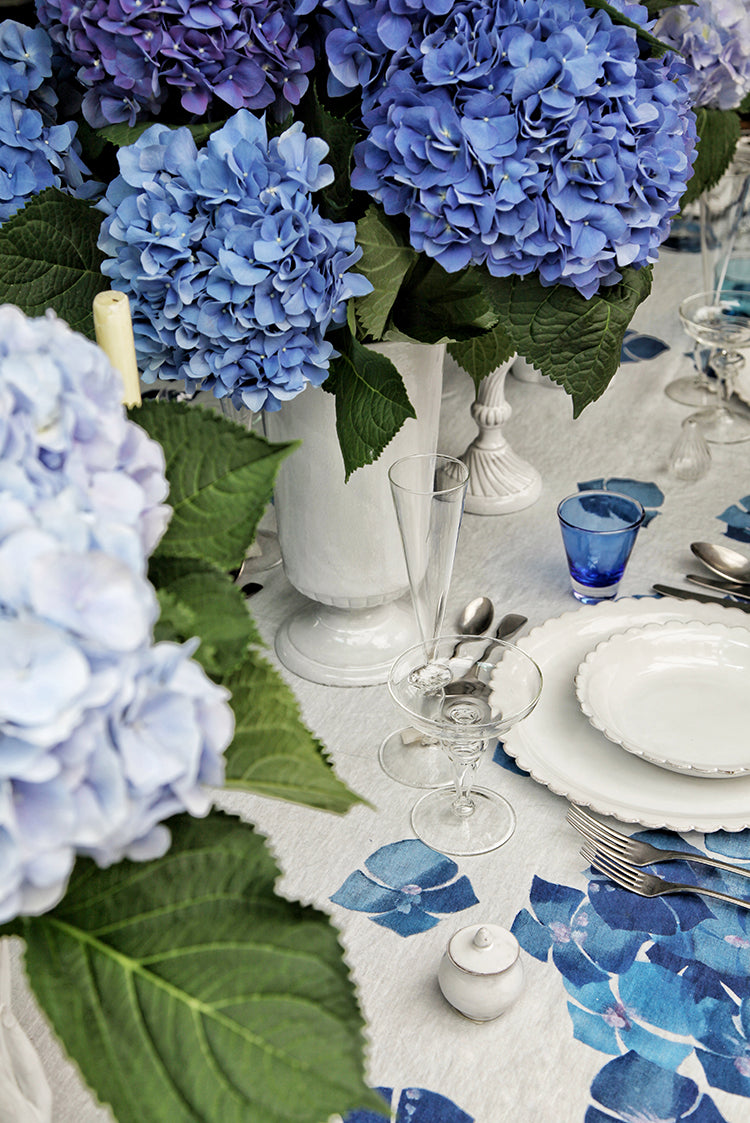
{"type": "Point", "coordinates": [483, 949]}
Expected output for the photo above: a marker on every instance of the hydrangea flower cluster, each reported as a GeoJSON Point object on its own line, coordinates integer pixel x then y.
{"type": "Point", "coordinates": [233, 274]}
{"type": "Point", "coordinates": [521, 134]}
{"type": "Point", "coordinates": [103, 734]}
{"type": "Point", "coordinates": [35, 152]}
{"type": "Point", "coordinates": [131, 55]}
{"type": "Point", "coordinates": [713, 36]}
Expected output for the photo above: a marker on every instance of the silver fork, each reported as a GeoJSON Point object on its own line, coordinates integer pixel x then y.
{"type": "Point", "coordinates": [633, 851]}
{"type": "Point", "coordinates": [647, 884]}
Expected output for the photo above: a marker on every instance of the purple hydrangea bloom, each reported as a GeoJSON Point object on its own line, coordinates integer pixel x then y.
{"type": "Point", "coordinates": [103, 734]}
{"type": "Point", "coordinates": [713, 36]}
{"type": "Point", "coordinates": [233, 274]}
{"type": "Point", "coordinates": [130, 55]}
{"type": "Point", "coordinates": [35, 151]}
{"type": "Point", "coordinates": [523, 135]}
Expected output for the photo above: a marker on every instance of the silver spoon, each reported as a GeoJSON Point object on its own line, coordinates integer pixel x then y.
{"type": "Point", "coordinates": [720, 559]}
{"type": "Point", "coordinates": [476, 617]}
{"type": "Point", "coordinates": [470, 683]}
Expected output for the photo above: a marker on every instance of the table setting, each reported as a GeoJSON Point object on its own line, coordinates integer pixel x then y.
{"type": "Point", "coordinates": [374, 562]}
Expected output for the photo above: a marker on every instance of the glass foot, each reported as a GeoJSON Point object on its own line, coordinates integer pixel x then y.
{"type": "Point", "coordinates": [723, 426]}
{"type": "Point", "coordinates": [691, 392]}
{"type": "Point", "coordinates": [406, 759]}
{"type": "Point", "coordinates": [435, 822]}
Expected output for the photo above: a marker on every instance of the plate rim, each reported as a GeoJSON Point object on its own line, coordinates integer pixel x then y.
{"type": "Point", "coordinates": [582, 680]}
{"type": "Point", "coordinates": [602, 803]}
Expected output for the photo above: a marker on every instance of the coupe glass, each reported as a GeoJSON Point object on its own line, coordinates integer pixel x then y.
{"type": "Point", "coordinates": [487, 688]}
{"type": "Point", "coordinates": [428, 491]}
{"type": "Point", "coordinates": [721, 322]}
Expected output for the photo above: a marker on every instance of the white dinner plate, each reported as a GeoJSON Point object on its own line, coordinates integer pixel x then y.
{"type": "Point", "coordinates": [676, 694]}
{"type": "Point", "coordinates": [559, 747]}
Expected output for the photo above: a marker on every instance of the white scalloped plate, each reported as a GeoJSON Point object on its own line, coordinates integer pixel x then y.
{"type": "Point", "coordinates": [560, 748]}
{"type": "Point", "coordinates": [675, 693]}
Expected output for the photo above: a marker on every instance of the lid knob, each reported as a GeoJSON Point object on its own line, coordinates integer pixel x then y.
{"type": "Point", "coordinates": [483, 938]}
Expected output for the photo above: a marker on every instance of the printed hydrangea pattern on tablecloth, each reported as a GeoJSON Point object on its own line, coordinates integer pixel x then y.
{"type": "Point", "coordinates": [655, 983]}
{"type": "Point", "coordinates": [407, 884]}
{"type": "Point", "coordinates": [649, 495]}
{"type": "Point", "coordinates": [737, 518]}
{"type": "Point", "coordinates": [414, 1105]}
{"type": "Point", "coordinates": [636, 347]}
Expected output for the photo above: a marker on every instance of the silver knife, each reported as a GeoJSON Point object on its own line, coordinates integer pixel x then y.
{"type": "Point", "coordinates": [688, 594]}
{"type": "Point", "coordinates": [731, 588]}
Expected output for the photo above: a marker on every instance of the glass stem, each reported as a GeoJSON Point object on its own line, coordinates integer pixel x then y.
{"type": "Point", "coordinates": [464, 759]}
{"type": "Point", "coordinates": [727, 365]}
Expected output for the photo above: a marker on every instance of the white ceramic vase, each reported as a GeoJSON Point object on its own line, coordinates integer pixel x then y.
{"type": "Point", "coordinates": [340, 542]}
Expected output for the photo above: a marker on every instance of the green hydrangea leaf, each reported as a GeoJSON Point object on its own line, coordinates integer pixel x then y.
{"type": "Point", "coordinates": [122, 135]}
{"type": "Point", "coordinates": [186, 990]}
{"type": "Point", "coordinates": [371, 402]}
{"type": "Point", "coordinates": [718, 133]}
{"type": "Point", "coordinates": [198, 599]}
{"type": "Point", "coordinates": [49, 259]}
{"type": "Point", "coordinates": [273, 753]}
{"type": "Point", "coordinates": [221, 479]}
{"type": "Point", "coordinates": [576, 342]}
{"type": "Point", "coordinates": [435, 306]}
{"type": "Point", "coordinates": [386, 260]}
{"type": "Point", "coordinates": [480, 356]}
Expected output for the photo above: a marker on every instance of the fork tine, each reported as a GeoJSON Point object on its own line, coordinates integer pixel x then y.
{"type": "Point", "coordinates": [583, 816]}
{"type": "Point", "coordinates": [590, 829]}
{"type": "Point", "coordinates": [617, 871]}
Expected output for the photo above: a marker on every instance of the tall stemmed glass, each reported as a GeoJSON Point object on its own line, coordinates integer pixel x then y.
{"type": "Point", "coordinates": [721, 321]}
{"type": "Point", "coordinates": [428, 493]}
{"type": "Point", "coordinates": [487, 688]}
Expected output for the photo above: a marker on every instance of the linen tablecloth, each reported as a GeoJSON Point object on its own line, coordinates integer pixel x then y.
{"type": "Point", "coordinates": [631, 1010]}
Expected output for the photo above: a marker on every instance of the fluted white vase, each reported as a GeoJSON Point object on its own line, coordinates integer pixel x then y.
{"type": "Point", "coordinates": [340, 542]}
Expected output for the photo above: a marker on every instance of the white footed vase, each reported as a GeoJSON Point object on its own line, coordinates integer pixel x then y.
{"type": "Point", "coordinates": [340, 542]}
{"type": "Point", "coordinates": [500, 481]}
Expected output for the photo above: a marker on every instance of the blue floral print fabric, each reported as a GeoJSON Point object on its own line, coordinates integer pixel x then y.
{"type": "Point", "coordinates": [406, 884]}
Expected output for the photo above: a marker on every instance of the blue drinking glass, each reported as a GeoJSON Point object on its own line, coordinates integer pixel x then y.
{"type": "Point", "coordinates": [599, 529]}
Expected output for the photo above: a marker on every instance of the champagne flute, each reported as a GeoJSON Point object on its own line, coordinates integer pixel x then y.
{"type": "Point", "coordinates": [486, 690]}
{"type": "Point", "coordinates": [428, 491]}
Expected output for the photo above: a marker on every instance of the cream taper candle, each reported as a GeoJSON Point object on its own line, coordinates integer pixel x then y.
{"type": "Point", "coordinates": [114, 334]}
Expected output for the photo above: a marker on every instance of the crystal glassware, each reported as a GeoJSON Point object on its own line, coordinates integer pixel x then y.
{"type": "Point", "coordinates": [690, 457]}
{"type": "Point", "coordinates": [486, 689]}
{"type": "Point", "coordinates": [721, 322]}
{"type": "Point", "coordinates": [724, 220]}
{"type": "Point", "coordinates": [428, 492]}
{"type": "Point", "coordinates": [599, 530]}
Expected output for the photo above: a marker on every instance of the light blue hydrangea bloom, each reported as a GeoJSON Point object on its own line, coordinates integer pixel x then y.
{"type": "Point", "coordinates": [713, 36]}
{"type": "Point", "coordinates": [234, 275]}
{"type": "Point", "coordinates": [103, 734]}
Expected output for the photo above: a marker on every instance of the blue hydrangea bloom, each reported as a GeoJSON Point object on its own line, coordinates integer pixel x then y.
{"type": "Point", "coordinates": [713, 36]}
{"type": "Point", "coordinates": [518, 134]}
{"type": "Point", "coordinates": [234, 275]}
{"type": "Point", "coordinates": [414, 1105]}
{"type": "Point", "coordinates": [632, 1087]}
{"type": "Point", "coordinates": [103, 734]}
{"type": "Point", "coordinates": [227, 54]}
{"type": "Point", "coordinates": [35, 151]}
{"type": "Point", "coordinates": [407, 884]}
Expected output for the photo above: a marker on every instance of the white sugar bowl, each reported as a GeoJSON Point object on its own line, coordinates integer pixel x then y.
{"type": "Point", "coordinates": [481, 973]}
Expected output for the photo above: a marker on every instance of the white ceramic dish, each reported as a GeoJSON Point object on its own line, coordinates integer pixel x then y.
{"type": "Point", "coordinates": [560, 748]}
{"type": "Point", "coordinates": [676, 694]}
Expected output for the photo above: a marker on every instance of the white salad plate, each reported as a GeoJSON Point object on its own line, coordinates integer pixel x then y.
{"type": "Point", "coordinates": [676, 694]}
{"type": "Point", "coordinates": [560, 748]}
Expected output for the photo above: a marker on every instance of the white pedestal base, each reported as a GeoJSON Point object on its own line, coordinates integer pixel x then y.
{"type": "Point", "coordinates": [346, 646]}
